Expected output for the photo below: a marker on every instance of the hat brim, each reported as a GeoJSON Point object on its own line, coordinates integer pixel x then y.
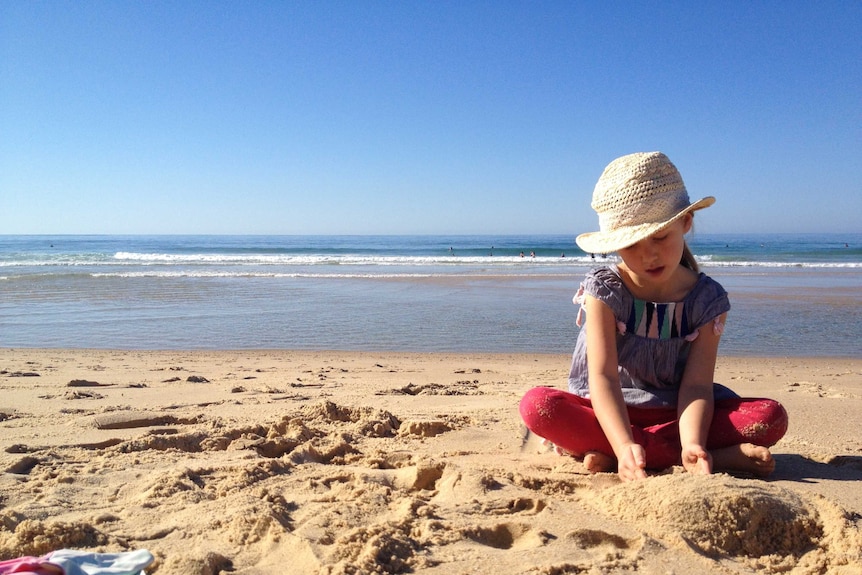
{"type": "Point", "coordinates": [607, 242]}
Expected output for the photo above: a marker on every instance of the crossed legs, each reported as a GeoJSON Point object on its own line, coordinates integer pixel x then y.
{"type": "Point", "coordinates": [742, 429]}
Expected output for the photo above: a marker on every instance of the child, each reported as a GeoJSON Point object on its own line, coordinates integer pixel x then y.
{"type": "Point", "coordinates": [641, 387]}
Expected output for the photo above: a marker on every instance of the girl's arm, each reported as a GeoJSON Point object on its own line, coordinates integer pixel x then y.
{"type": "Point", "coordinates": [606, 395]}
{"type": "Point", "coordinates": [695, 402]}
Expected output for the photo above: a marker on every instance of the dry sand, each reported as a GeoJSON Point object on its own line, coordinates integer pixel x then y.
{"type": "Point", "coordinates": [264, 462]}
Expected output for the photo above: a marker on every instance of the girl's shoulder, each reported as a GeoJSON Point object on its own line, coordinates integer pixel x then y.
{"type": "Point", "coordinates": [706, 301]}
{"type": "Point", "coordinates": [605, 285]}
{"type": "Point", "coordinates": [707, 288]}
{"type": "Point", "coordinates": [604, 272]}
{"type": "Point", "coordinates": [603, 279]}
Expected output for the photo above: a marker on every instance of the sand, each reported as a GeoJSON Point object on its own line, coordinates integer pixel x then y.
{"type": "Point", "coordinates": [262, 462]}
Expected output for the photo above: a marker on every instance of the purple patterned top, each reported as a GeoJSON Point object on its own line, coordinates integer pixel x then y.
{"type": "Point", "coordinates": [653, 339]}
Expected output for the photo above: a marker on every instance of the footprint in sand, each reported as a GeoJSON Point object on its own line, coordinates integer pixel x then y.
{"type": "Point", "coordinates": [599, 552]}
{"type": "Point", "coordinates": [205, 562]}
{"type": "Point", "coordinates": [604, 544]}
{"type": "Point", "coordinates": [508, 536]}
{"type": "Point", "coordinates": [817, 389]}
{"type": "Point", "coordinates": [528, 505]}
{"type": "Point", "coordinates": [424, 428]}
{"type": "Point", "coordinates": [521, 505]}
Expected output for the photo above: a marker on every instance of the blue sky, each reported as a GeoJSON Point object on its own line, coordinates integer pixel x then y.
{"type": "Point", "coordinates": [422, 117]}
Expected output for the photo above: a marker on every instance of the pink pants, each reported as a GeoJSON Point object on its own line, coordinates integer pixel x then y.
{"type": "Point", "coordinates": [569, 422]}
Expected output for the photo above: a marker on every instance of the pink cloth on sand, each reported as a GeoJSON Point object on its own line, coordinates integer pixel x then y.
{"type": "Point", "coordinates": [29, 566]}
{"type": "Point", "coordinates": [73, 562]}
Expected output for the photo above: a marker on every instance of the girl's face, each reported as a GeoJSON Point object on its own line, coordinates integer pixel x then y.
{"type": "Point", "coordinates": [655, 260]}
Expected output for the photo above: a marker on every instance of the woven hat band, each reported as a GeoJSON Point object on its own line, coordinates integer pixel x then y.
{"type": "Point", "coordinates": [660, 208]}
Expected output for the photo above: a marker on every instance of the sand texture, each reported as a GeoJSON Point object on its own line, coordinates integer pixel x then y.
{"type": "Point", "coordinates": [271, 462]}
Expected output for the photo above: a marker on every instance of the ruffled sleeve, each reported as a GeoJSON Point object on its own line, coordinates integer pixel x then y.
{"type": "Point", "coordinates": [607, 287]}
{"type": "Point", "coordinates": [707, 301]}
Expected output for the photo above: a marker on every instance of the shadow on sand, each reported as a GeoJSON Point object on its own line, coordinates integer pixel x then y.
{"type": "Point", "coordinates": [794, 467]}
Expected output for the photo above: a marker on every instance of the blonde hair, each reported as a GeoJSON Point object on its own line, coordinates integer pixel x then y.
{"type": "Point", "coordinates": [688, 259]}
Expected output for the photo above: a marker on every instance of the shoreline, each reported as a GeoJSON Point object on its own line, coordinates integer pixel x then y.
{"type": "Point", "coordinates": [392, 352]}
{"type": "Point", "coordinates": [344, 462]}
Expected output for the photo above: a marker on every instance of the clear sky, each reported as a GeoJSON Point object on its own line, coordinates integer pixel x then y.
{"type": "Point", "coordinates": [430, 117]}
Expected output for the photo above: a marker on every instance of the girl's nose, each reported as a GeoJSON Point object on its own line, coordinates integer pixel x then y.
{"type": "Point", "coordinates": [650, 251]}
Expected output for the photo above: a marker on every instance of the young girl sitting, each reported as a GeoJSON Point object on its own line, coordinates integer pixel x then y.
{"type": "Point", "coordinates": [641, 388]}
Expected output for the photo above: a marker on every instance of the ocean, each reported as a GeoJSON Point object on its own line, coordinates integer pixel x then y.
{"type": "Point", "coordinates": [791, 295]}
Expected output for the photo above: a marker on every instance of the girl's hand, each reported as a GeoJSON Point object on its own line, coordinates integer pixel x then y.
{"type": "Point", "coordinates": [631, 462]}
{"type": "Point", "coordinates": [696, 460]}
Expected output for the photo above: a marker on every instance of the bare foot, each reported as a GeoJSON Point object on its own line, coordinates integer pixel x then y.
{"type": "Point", "coordinates": [596, 462]}
{"type": "Point", "coordinates": [745, 458]}
{"type": "Point", "coordinates": [556, 448]}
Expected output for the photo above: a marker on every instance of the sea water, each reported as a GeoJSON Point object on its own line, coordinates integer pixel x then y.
{"type": "Point", "coordinates": [790, 294]}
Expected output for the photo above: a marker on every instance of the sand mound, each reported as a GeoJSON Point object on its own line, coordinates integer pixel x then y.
{"type": "Point", "coordinates": [719, 514]}
{"type": "Point", "coordinates": [33, 537]}
{"type": "Point", "coordinates": [366, 421]}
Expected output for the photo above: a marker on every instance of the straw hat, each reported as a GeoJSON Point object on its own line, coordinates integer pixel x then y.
{"type": "Point", "coordinates": [636, 196]}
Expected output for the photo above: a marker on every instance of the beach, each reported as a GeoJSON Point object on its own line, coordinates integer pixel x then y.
{"type": "Point", "coordinates": [276, 276]}
{"type": "Point", "coordinates": [331, 462]}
